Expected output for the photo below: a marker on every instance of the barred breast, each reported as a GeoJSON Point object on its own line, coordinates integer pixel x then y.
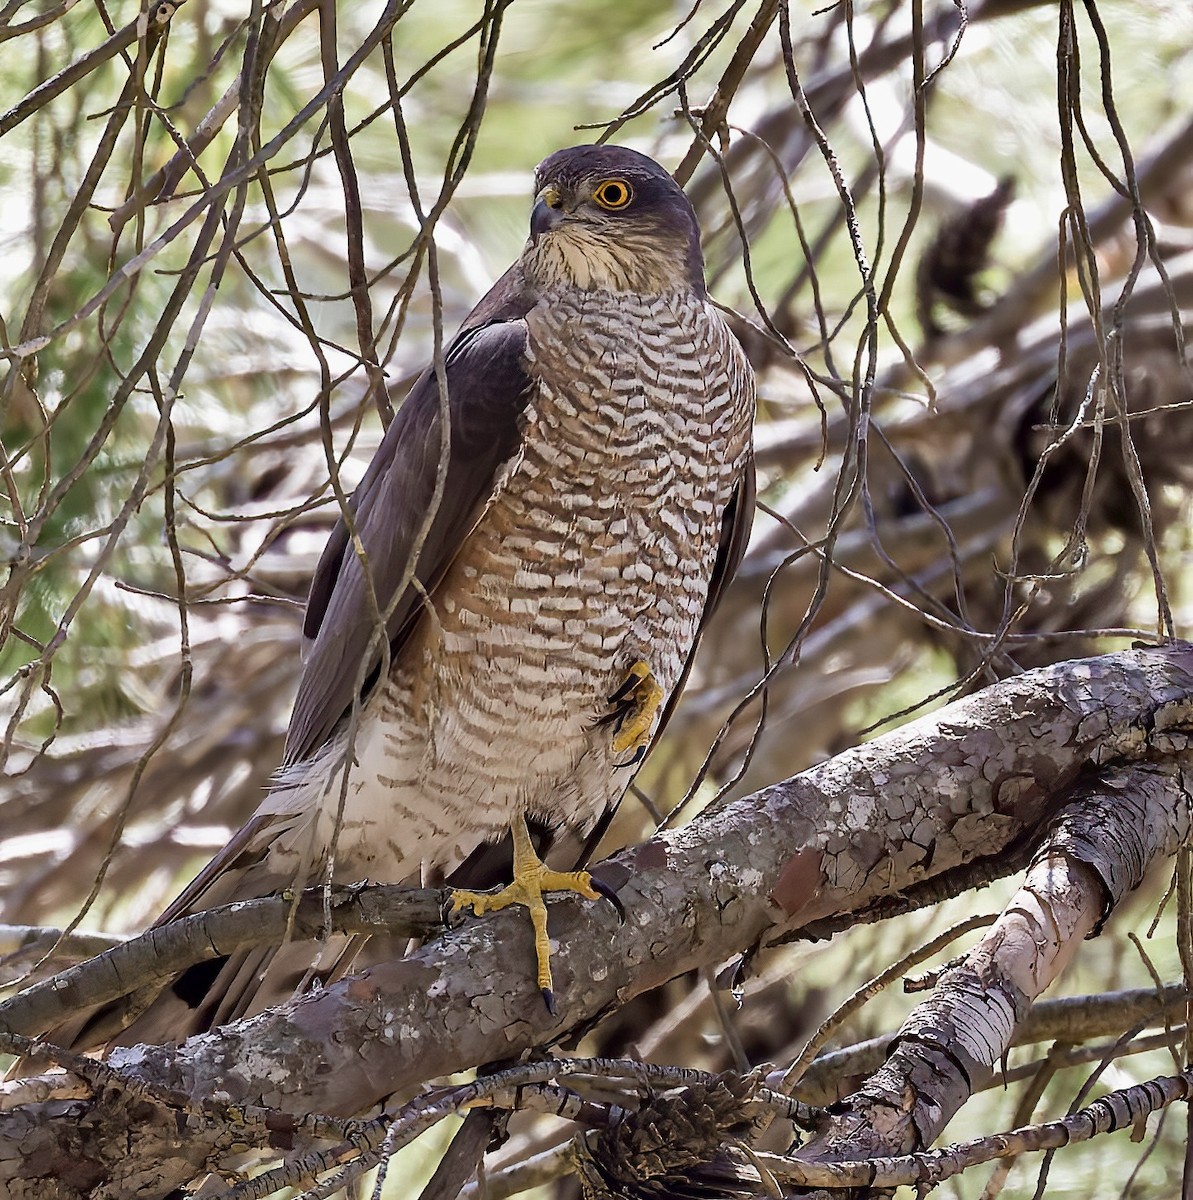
{"type": "Point", "coordinates": [595, 551]}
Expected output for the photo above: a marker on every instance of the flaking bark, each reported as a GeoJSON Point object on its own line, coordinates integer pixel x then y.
{"type": "Point", "coordinates": [1113, 828]}
{"type": "Point", "coordinates": [944, 791]}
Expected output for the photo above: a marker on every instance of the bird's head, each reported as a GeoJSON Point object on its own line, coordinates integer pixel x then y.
{"type": "Point", "coordinates": [609, 217]}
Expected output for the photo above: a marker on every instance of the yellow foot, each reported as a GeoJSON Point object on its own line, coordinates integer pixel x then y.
{"type": "Point", "coordinates": [532, 877]}
{"type": "Point", "coordinates": [633, 708]}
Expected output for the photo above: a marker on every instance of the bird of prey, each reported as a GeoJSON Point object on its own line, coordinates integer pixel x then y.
{"type": "Point", "coordinates": [502, 625]}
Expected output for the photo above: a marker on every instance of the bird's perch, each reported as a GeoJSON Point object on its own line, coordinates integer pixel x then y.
{"type": "Point", "coordinates": [908, 811]}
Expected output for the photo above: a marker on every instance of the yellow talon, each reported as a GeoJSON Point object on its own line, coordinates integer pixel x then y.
{"type": "Point", "coordinates": [635, 703]}
{"type": "Point", "coordinates": [532, 877]}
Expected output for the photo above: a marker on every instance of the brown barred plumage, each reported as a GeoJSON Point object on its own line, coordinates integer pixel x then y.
{"type": "Point", "coordinates": [599, 492]}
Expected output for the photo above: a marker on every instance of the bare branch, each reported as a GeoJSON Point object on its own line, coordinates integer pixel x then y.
{"type": "Point", "coordinates": [916, 804]}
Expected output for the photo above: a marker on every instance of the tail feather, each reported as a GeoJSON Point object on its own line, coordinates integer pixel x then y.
{"type": "Point", "coordinates": [239, 985]}
{"type": "Point", "coordinates": [273, 851]}
{"type": "Point", "coordinates": [282, 847]}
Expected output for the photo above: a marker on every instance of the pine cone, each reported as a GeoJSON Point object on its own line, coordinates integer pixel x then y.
{"type": "Point", "coordinates": [673, 1147]}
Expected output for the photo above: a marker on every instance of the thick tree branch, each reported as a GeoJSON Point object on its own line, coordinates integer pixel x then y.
{"type": "Point", "coordinates": [1099, 847]}
{"type": "Point", "coordinates": [964, 784]}
{"type": "Point", "coordinates": [1075, 1019]}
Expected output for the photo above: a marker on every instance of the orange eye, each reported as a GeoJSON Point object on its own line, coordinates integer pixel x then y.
{"type": "Point", "coordinates": [613, 194]}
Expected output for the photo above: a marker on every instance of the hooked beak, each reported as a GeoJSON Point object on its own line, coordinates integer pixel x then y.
{"type": "Point", "coordinates": [547, 212]}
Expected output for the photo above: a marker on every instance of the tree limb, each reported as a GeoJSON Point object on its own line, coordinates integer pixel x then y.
{"type": "Point", "coordinates": [1097, 851]}
{"type": "Point", "coordinates": [163, 951]}
{"type": "Point", "coordinates": [961, 785]}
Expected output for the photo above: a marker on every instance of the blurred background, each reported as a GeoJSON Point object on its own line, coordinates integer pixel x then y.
{"type": "Point", "coordinates": [957, 244]}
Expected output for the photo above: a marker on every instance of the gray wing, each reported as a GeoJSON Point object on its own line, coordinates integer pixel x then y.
{"type": "Point", "coordinates": [736, 522]}
{"type": "Point", "coordinates": [488, 389]}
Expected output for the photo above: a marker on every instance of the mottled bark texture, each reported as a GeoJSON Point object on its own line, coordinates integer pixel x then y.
{"type": "Point", "coordinates": [1097, 849]}
{"type": "Point", "coordinates": [164, 951]}
{"type": "Point", "coordinates": [1084, 1019]}
{"type": "Point", "coordinates": [962, 786]}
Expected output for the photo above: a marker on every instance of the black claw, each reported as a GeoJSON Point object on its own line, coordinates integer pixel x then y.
{"type": "Point", "coordinates": [607, 893]}
{"type": "Point", "coordinates": [633, 761]}
{"type": "Point", "coordinates": [549, 1000]}
{"type": "Point", "coordinates": [631, 682]}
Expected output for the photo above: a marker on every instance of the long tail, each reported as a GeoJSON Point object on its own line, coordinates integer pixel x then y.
{"type": "Point", "coordinates": [283, 846]}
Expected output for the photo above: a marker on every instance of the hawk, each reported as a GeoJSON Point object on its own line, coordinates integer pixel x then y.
{"type": "Point", "coordinates": [504, 623]}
